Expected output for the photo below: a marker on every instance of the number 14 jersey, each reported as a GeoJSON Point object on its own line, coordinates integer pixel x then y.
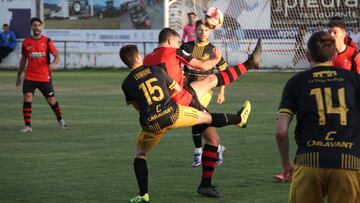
{"type": "Point", "coordinates": [326, 101]}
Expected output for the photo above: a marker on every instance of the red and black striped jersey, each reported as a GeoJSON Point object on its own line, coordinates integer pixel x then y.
{"type": "Point", "coordinates": [37, 52]}
{"type": "Point", "coordinates": [349, 59]}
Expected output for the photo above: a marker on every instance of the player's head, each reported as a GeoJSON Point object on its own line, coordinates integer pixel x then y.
{"type": "Point", "coordinates": [36, 26]}
{"type": "Point", "coordinates": [5, 27]}
{"type": "Point", "coordinates": [337, 29]}
{"type": "Point", "coordinates": [321, 47]}
{"type": "Point", "coordinates": [191, 18]}
{"type": "Point", "coordinates": [130, 55]}
{"type": "Point", "coordinates": [169, 38]}
{"type": "Point", "coordinates": [202, 31]}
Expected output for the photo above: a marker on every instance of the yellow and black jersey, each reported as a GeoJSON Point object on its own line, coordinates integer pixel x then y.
{"type": "Point", "coordinates": [326, 102]}
{"type": "Point", "coordinates": [149, 87]}
{"type": "Point", "coordinates": [202, 53]}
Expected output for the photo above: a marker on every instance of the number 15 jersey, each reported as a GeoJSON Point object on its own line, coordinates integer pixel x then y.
{"type": "Point", "coordinates": [326, 101]}
{"type": "Point", "coordinates": [149, 88]}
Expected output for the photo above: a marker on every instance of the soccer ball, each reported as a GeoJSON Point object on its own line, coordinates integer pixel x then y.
{"type": "Point", "coordinates": [214, 18]}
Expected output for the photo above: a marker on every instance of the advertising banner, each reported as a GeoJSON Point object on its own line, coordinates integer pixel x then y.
{"type": "Point", "coordinates": [311, 12]}
{"type": "Point", "coordinates": [103, 14]}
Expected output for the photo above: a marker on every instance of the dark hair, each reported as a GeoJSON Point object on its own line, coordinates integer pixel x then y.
{"type": "Point", "coordinates": [337, 21]}
{"type": "Point", "coordinates": [198, 23]}
{"type": "Point", "coordinates": [166, 33]}
{"type": "Point", "coordinates": [321, 47]}
{"type": "Point", "coordinates": [5, 25]}
{"type": "Point", "coordinates": [127, 54]}
{"type": "Point", "coordinates": [191, 13]}
{"type": "Point", "coordinates": [35, 20]}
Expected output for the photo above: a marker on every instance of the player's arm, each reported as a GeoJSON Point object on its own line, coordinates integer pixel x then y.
{"type": "Point", "coordinates": [22, 64]}
{"type": "Point", "coordinates": [209, 64]}
{"type": "Point", "coordinates": [56, 55]}
{"type": "Point", "coordinates": [357, 63]}
{"type": "Point", "coordinates": [286, 112]}
{"type": "Point", "coordinates": [187, 59]}
{"type": "Point", "coordinates": [221, 94]}
{"type": "Point", "coordinates": [282, 140]}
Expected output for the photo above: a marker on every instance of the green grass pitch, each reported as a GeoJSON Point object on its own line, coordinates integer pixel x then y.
{"type": "Point", "coordinates": [91, 161]}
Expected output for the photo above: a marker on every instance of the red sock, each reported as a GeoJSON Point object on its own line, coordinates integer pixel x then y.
{"type": "Point", "coordinates": [208, 163]}
{"type": "Point", "coordinates": [56, 109]}
{"type": "Point", "coordinates": [230, 74]}
{"type": "Point", "coordinates": [27, 110]}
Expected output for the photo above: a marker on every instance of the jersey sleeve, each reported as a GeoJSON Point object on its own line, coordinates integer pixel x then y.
{"type": "Point", "coordinates": [24, 52]}
{"type": "Point", "coordinates": [222, 64]}
{"type": "Point", "coordinates": [183, 56]}
{"type": "Point", "coordinates": [287, 105]}
{"type": "Point", "coordinates": [357, 63]}
{"type": "Point", "coordinates": [52, 48]}
{"type": "Point", "coordinates": [129, 99]}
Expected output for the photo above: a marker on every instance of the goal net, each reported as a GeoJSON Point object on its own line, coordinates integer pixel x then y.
{"type": "Point", "coordinates": [284, 25]}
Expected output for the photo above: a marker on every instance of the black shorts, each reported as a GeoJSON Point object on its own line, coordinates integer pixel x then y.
{"type": "Point", "coordinates": [46, 88]}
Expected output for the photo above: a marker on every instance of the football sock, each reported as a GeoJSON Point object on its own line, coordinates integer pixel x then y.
{"type": "Point", "coordinates": [196, 137]}
{"type": "Point", "coordinates": [231, 74]}
{"type": "Point", "coordinates": [208, 164]}
{"type": "Point", "coordinates": [224, 119]}
{"type": "Point", "coordinates": [141, 172]}
{"type": "Point", "coordinates": [27, 110]}
{"type": "Point", "coordinates": [56, 109]}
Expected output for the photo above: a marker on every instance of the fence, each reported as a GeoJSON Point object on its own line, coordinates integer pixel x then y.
{"type": "Point", "coordinates": [100, 54]}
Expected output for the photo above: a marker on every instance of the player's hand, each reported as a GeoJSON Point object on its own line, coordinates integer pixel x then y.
{"type": "Point", "coordinates": [51, 66]}
{"type": "Point", "coordinates": [220, 98]}
{"type": "Point", "coordinates": [18, 81]}
{"type": "Point", "coordinates": [217, 53]}
{"type": "Point", "coordinates": [288, 171]}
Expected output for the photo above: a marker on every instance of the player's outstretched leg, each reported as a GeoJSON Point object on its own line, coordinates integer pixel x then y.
{"type": "Point", "coordinates": [57, 111]}
{"type": "Point", "coordinates": [254, 60]}
{"type": "Point", "coordinates": [244, 114]}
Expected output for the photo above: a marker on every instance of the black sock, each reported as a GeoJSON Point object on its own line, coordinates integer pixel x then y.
{"type": "Point", "coordinates": [197, 130]}
{"type": "Point", "coordinates": [141, 172]}
{"type": "Point", "coordinates": [223, 119]}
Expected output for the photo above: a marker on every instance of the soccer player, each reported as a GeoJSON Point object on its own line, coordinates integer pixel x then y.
{"type": "Point", "coordinates": [171, 56]}
{"type": "Point", "coordinates": [202, 49]}
{"type": "Point", "coordinates": [325, 100]}
{"type": "Point", "coordinates": [149, 90]}
{"type": "Point", "coordinates": [36, 51]}
{"type": "Point", "coordinates": [347, 39]}
{"type": "Point", "coordinates": [347, 57]}
{"type": "Point", "coordinates": [189, 29]}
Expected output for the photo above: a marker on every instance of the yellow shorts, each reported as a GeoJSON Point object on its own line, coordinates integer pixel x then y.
{"type": "Point", "coordinates": [206, 98]}
{"type": "Point", "coordinates": [311, 185]}
{"type": "Point", "coordinates": [188, 117]}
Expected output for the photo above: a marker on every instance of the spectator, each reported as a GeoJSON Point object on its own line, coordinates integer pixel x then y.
{"type": "Point", "coordinates": [189, 29]}
{"type": "Point", "coordinates": [7, 42]}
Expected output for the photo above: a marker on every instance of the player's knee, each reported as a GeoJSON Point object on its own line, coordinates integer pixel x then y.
{"type": "Point", "coordinates": [51, 100]}
{"type": "Point", "coordinates": [212, 80]}
{"type": "Point", "coordinates": [141, 154]}
{"type": "Point", "coordinates": [204, 118]}
{"type": "Point", "coordinates": [28, 97]}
